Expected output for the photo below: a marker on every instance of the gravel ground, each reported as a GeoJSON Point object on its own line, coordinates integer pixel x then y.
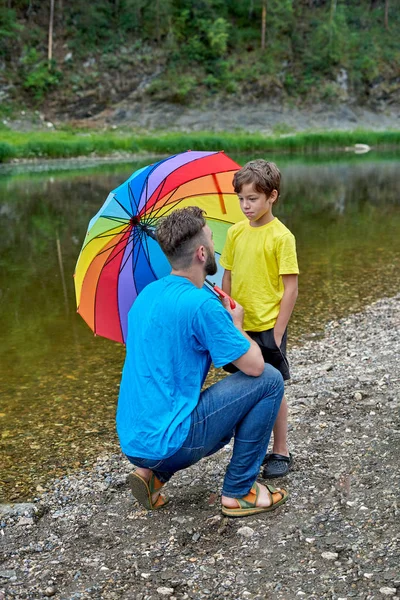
{"type": "Point", "coordinates": [337, 536]}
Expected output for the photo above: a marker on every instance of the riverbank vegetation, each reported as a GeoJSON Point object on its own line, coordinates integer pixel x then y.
{"type": "Point", "coordinates": [81, 57]}
{"type": "Point", "coordinates": [67, 144]}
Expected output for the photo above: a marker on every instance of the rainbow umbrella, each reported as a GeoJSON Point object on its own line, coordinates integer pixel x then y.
{"type": "Point", "coordinates": [120, 254]}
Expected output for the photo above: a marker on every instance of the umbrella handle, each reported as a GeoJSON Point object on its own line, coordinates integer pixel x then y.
{"type": "Point", "coordinates": [225, 295]}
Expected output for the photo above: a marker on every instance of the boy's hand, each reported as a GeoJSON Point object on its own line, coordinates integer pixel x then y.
{"type": "Point", "coordinates": [236, 313]}
{"type": "Point", "coordinates": [278, 338]}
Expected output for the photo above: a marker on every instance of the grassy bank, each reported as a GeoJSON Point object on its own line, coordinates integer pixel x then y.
{"type": "Point", "coordinates": [64, 144]}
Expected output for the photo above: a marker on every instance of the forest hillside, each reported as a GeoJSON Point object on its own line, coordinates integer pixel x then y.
{"type": "Point", "coordinates": [77, 59]}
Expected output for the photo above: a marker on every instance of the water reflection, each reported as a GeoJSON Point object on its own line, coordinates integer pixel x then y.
{"type": "Point", "coordinates": [59, 384]}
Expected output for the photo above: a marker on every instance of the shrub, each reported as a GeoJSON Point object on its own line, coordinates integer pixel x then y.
{"type": "Point", "coordinates": [6, 151]}
{"type": "Point", "coordinates": [39, 75]}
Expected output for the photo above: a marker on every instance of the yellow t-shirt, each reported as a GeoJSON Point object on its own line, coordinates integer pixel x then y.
{"type": "Point", "coordinates": [257, 258]}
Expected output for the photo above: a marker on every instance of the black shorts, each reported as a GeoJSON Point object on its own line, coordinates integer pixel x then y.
{"type": "Point", "coordinates": [271, 353]}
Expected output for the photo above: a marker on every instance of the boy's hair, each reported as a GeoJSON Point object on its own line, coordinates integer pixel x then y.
{"type": "Point", "coordinates": [264, 175]}
{"type": "Point", "coordinates": [180, 233]}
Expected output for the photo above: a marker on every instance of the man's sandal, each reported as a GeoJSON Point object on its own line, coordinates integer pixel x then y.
{"type": "Point", "coordinates": [276, 465]}
{"type": "Point", "coordinates": [143, 491]}
{"type": "Point", "coordinates": [248, 505]}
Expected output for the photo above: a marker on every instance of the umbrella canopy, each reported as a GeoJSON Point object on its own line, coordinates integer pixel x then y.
{"type": "Point", "coordinates": [120, 254]}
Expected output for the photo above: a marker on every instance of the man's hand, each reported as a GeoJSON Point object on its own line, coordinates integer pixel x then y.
{"type": "Point", "coordinates": [236, 313]}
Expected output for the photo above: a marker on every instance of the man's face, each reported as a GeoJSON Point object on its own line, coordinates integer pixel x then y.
{"type": "Point", "coordinates": [210, 266]}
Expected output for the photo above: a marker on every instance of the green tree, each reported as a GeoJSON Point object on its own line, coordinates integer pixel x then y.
{"type": "Point", "coordinates": [9, 31]}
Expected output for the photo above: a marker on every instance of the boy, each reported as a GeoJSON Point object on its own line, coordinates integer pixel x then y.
{"type": "Point", "coordinates": [261, 273]}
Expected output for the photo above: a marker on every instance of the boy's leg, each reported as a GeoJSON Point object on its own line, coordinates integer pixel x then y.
{"type": "Point", "coordinates": [280, 430]}
{"type": "Point", "coordinates": [277, 463]}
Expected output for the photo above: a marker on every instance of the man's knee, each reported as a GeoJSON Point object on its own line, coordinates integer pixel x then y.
{"type": "Point", "coordinates": [273, 377]}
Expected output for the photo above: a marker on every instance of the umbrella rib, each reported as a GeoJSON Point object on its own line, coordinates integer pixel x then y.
{"type": "Point", "coordinates": [152, 209]}
{"type": "Point", "coordinates": [132, 200]}
{"type": "Point", "coordinates": [108, 247]}
{"type": "Point", "coordinates": [131, 240]}
{"type": "Point", "coordinates": [129, 255]}
{"type": "Point", "coordinates": [116, 219]}
{"type": "Point", "coordinates": [146, 254]}
{"type": "Point", "coordinates": [158, 196]}
{"type": "Point", "coordinates": [147, 188]}
{"type": "Point", "coordinates": [122, 206]}
{"type": "Point", "coordinates": [136, 261]}
{"type": "Point", "coordinates": [100, 236]}
{"type": "Point", "coordinates": [105, 235]}
{"type": "Point", "coordinates": [121, 250]}
{"type": "Point", "coordinates": [112, 256]}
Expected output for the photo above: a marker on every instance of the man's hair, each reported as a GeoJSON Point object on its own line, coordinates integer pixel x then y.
{"type": "Point", "coordinates": [264, 175]}
{"type": "Point", "coordinates": [180, 233]}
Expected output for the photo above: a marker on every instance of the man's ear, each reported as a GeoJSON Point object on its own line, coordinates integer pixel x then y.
{"type": "Point", "coordinates": [201, 253]}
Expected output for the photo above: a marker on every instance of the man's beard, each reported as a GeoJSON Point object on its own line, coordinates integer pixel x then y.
{"type": "Point", "coordinates": [210, 266]}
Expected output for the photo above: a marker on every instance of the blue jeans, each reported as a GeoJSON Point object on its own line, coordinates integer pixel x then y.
{"type": "Point", "coordinates": [238, 406]}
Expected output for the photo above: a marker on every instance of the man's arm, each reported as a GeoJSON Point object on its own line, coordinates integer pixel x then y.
{"type": "Point", "coordinates": [227, 282]}
{"type": "Point", "coordinates": [290, 283]}
{"type": "Point", "coordinates": [252, 362]}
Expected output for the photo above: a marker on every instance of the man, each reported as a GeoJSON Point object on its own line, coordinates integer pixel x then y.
{"type": "Point", "coordinates": [164, 422]}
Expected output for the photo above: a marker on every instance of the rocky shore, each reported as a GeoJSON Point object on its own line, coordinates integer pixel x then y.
{"type": "Point", "coordinates": [268, 117]}
{"type": "Point", "coordinates": [264, 117]}
{"type": "Point", "coordinates": [337, 537]}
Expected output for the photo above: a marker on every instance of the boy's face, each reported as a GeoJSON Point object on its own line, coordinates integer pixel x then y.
{"type": "Point", "coordinates": [255, 205]}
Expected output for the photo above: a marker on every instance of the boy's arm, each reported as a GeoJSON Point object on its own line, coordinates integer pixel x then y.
{"type": "Point", "coordinates": [226, 282]}
{"type": "Point", "coordinates": [287, 305]}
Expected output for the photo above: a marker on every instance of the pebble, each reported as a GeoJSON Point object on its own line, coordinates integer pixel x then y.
{"type": "Point", "coordinates": [165, 591]}
{"type": "Point", "coordinates": [245, 531]}
{"type": "Point", "coordinates": [387, 591]}
{"type": "Point", "coordinates": [7, 574]}
{"type": "Point", "coordinates": [25, 521]}
{"type": "Point", "coordinates": [330, 555]}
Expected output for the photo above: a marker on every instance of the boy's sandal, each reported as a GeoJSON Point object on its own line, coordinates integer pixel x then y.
{"type": "Point", "coordinates": [143, 491]}
{"type": "Point", "coordinates": [248, 505]}
{"type": "Point", "coordinates": [276, 465]}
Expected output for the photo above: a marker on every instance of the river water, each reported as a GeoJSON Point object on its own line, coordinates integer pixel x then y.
{"type": "Point", "coordinates": [59, 383]}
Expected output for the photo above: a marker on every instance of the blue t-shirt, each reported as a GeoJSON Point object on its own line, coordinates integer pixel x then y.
{"type": "Point", "coordinates": [175, 330]}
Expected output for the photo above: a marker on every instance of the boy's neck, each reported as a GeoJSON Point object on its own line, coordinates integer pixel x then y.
{"type": "Point", "coordinates": [264, 220]}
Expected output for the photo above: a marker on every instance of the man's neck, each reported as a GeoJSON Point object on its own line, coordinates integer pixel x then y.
{"type": "Point", "coordinates": [196, 276]}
